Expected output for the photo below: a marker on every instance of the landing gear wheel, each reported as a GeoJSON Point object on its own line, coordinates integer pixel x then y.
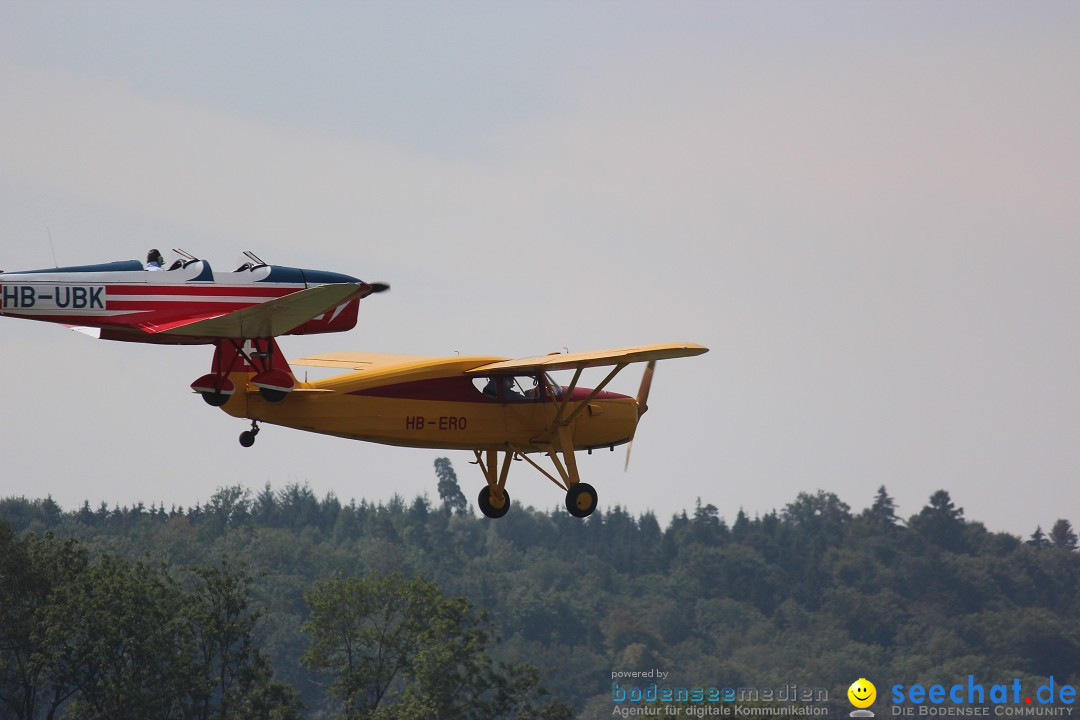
{"type": "Point", "coordinates": [274, 396]}
{"type": "Point", "coordinates": [215, 399]}
{"type": "Point", "coordinates": [247, 438]}
{"type": "Point", "coordinates": [581, 500]}
{"type": "Point", "coordinates": [487, 505]}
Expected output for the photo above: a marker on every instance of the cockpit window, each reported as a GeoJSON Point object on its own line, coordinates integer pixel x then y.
{"type": "Point", "coordinates": [250, 261]}
{"type": "Point", "coordinates": [184, 260]}
{"type": "Point", "coordinates": [554, 387]}
{"type": "Point", "coordinates": [517, 388]}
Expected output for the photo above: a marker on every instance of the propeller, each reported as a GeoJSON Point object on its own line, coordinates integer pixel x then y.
{"type": "Point", "coordinates": [642, 404]}
{"type": "Point", "coordinates": [375, 287]}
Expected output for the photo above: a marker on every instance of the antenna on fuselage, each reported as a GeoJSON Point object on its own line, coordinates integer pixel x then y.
{"type": "Point", "coordinates": [52, 247]}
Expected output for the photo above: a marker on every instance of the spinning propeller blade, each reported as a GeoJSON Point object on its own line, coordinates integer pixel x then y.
{"type": "Point", "coordinates": [372, 288]}
{"type": "Point", "coordinates": [642, 404]}
{"type": "Point", "coordinates": [643, 391]}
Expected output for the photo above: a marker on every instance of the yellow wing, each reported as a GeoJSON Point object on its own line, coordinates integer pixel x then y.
{"type": "Point", "coordinates": [360, 360]}
{"type": "Point", "coordinates": [598, 358]}
{"type": "Point", "coordinates": [400, 367]}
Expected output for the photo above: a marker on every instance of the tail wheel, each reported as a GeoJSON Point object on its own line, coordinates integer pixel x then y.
{"type": "Point", "coordinates": [491, 506]}
{"type": "Point", "coordinates": [247, 438]}
{"type": "Point", "coordinates": [581, 500]}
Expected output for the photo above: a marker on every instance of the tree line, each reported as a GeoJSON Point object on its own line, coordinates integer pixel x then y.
{"type": "Point", "coordinates": [813, 593]}
{"type": "Point", "coordinates": [113, 638]}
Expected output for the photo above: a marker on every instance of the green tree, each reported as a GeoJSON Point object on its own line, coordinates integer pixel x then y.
{"type": "Point", "coordinates": [237, 681]}
{"type": "Point", "coordinates": [941, 522]}
{"type": "Point", "coordinates": [396, 648]}
{"type": "Point", "coordinates": [823, 514]}
{"type": "Point", "coordinates": [118, 634]}
{"type": "Point", "coordinates": [1038, 539]}
{"type": "Point", "coordinates": [31, 571]}
{"type": "Point", "coordinates": [116, 639]}
{"type": "Point", "coordinates": [453, 500]}
{"type": "Point", "coordinates": [1062, 535]}
{"type": "Point", "coordinates": [883, 512]}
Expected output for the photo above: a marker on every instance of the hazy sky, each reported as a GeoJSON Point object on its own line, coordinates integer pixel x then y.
{"type": "Point", "coordinates": [869, 211]}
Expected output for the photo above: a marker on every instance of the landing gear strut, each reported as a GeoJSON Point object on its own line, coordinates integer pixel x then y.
{"type": "Point", "coordinates": [494, 501]}
{"type": "Point", "coordinates": [247, 438]}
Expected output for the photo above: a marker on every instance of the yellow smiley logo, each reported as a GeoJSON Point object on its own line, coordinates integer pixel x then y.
{"type": "Point", "coordinates": [862, 693]}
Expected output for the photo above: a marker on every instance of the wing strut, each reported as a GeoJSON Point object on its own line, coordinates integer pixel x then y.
{"type": "Point", "coordinates": [559, 422]}
{"type": "Point", "coordinates": [494, 500]}
{"type": "Point", "coordinates": [566, 397]}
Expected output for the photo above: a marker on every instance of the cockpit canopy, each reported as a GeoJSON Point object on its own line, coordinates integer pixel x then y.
{"type": "Point", "coordinates": [538, 387]}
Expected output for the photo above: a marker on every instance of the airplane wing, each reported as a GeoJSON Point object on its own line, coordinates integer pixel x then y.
{"type": "Point", "coordinates": [358, 360]}
{"type": "Point", "coordinates": [598, 358]}
{"type": "Point", "coordinates": [268, 319]}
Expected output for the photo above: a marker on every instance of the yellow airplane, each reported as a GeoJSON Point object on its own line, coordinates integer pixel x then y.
{"type": "Point", "coordinates": [488, 405]}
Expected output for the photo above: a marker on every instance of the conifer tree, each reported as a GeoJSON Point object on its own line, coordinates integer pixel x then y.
{"type": "Point", "coordinates": [453, 500]}
{"type": "Point", "coordinates": [1062, 535]}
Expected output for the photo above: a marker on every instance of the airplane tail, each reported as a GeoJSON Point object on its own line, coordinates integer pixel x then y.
{"type": "Point", "coordinates": [237, 363]}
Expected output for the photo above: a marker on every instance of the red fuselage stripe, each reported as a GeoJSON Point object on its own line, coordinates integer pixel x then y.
{"type": "Point", "coordinates": [202, 291]}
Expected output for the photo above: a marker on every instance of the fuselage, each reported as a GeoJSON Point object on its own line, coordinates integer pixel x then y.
{"type": "Point", "coordinates": [123, 300]}
{"type": "Point", "coordinates": [433, 404]}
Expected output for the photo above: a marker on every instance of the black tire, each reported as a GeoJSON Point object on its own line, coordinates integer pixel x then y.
{"type": "Point", "coordinates": [247, 438]}
{"type": "Point", "coordinates": [486, 507]}
{"type": "Point", "coordinates": [215, 399]}
{"type": "Point", "coordinates": [273, 396]}
{"type": "Point", "coordinates": [581, 500]}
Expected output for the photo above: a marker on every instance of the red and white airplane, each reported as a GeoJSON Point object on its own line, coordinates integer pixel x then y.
{"type": "Point", "coordinates": [189, 303]}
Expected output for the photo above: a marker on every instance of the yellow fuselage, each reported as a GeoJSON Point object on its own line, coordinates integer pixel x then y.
{"type": "Point", "coordinates": [434, 404]}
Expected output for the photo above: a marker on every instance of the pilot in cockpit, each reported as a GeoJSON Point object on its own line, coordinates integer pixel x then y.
{"type": "Point", "coordinates": [154, 260]}
{"type": "Point", "coordinates": [502, 385]}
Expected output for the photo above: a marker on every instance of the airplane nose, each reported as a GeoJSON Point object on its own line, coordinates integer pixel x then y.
{"type": "Point", "coordinates": [372, 288]}
{"type": "Point", "coordinates": [325, 277]}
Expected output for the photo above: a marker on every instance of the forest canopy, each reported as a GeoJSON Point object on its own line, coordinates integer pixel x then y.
{"type": "Point", "coordinates": [529, 615]}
